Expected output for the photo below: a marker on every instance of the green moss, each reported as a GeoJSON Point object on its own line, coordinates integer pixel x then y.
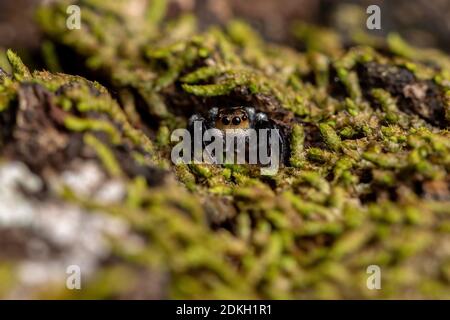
{"type": "Point", "coordinates": [78, 124]}
{"type": "Point", "coordinates": [210, 90]}
{"type": "Point", "coordinates": [297, 146]}
{"type": "Point", "coordinates": [330, 136]}
{"type": "Point", "coordinates": [203, 73]}
{"type": "Point", "coordinates": [156, 11]}
{"type": "Point", "coordinates": [386, 161]}
{"type": "Point", "coordinates": [105, 155]}
{"type": "Point", "coordinates": [201, 170]}
{"type": "Point", "coordinates": [7, 278]}
{"type": "Point", "coordinates": [4, 63]}
{"type": "Point", "coordinates": [387, 103]}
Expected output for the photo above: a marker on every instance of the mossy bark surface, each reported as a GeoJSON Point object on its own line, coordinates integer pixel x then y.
{"type": "Point", "coordinates": [367, 181]}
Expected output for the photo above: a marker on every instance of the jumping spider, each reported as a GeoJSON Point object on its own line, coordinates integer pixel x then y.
{"type": "Point", "coordinates": [228, 119]}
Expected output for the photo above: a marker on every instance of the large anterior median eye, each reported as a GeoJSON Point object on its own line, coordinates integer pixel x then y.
{"type": "Point", "coordinates": [236, 121]}
{"type": "Point", "coordinates": [226, 120]}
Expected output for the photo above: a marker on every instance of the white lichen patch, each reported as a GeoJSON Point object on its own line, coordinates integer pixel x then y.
{"type": "Point", "coordinates": [14, 211]}
{"type": "Point", "coordinates": [68, 234]}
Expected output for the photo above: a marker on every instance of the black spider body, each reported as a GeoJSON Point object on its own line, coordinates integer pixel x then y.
{"type": "Point", "coordinates": [236, 121]}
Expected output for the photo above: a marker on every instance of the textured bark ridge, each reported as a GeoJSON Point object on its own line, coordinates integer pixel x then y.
{"type": "Point", "coordinates": [86, 177]}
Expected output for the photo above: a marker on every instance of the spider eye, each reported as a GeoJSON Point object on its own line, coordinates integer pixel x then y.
{"type": "Point", "coordinates": [236, 121]}
{"type": "Point", "coordinates": [244, 118]}
{"type": "Point", "coordinates": [226, 121]}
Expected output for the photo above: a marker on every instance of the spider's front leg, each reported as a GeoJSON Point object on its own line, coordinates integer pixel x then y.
{"type": "Point", "coordinates": [197, 125]}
